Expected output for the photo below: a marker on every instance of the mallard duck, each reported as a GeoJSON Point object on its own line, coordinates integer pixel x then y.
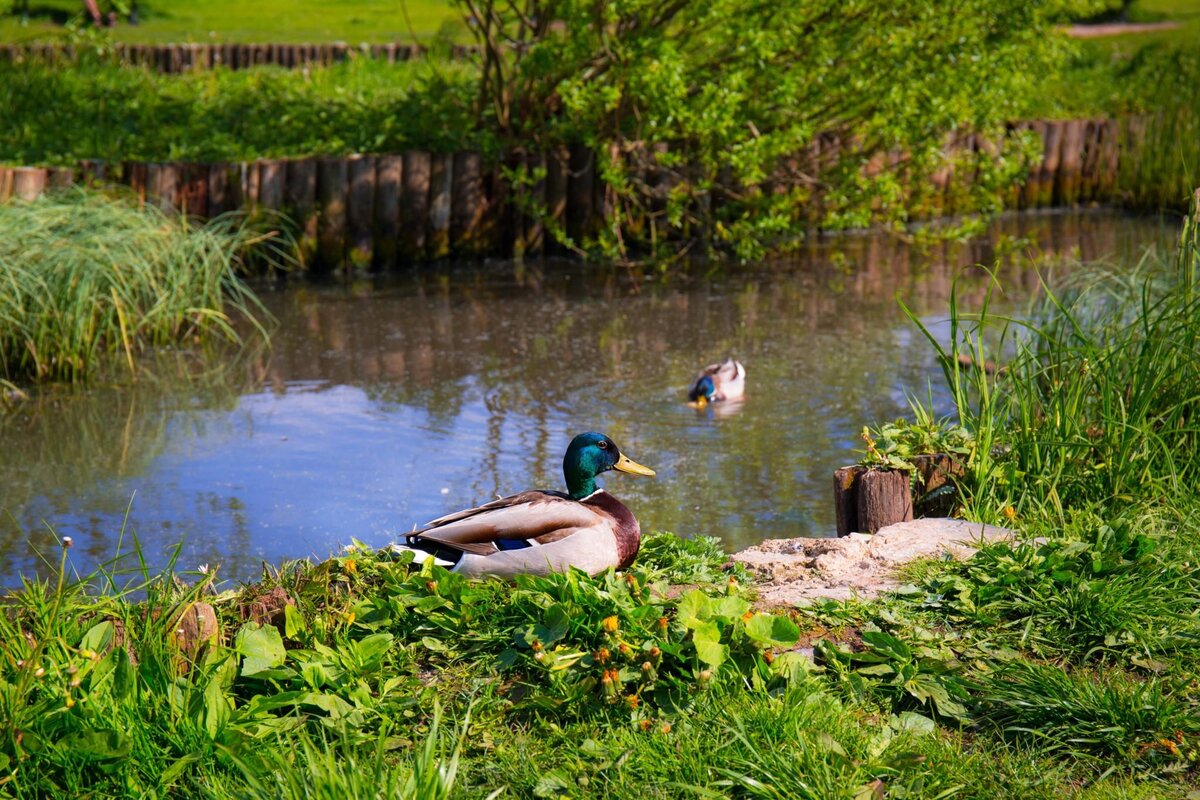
{"type": "Point", "coordinates": [537, 532]}
{"type": "Point", "coordinates": [718, 382]}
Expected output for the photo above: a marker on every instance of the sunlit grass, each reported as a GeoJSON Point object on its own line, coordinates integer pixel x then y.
{"type": "Point", "coordinates": [261, 21]}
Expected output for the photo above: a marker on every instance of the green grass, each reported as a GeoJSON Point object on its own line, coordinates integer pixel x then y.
{"type": "Point", "coordinates": [121, 113]}
{"type": "Point", "coordinates": [261, 21]}
{"type": "Point", "coordinates": [90, 282]}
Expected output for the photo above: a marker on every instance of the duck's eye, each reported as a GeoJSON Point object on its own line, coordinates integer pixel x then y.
{"type": "Point", "coordinates": [602, 445]}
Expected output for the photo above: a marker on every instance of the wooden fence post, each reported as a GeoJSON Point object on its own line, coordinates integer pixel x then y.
{"type": "Point", "coordinates": [414, 203]}
{"type": "Point", "coordinates": [272, 175]}
{"type": "Point", "coordinates": [331, 202]}
{"type": "Point", "coordinates": [441, 177]}
{"type": "Point", "coordinates": [62, 178]}
{"type": "Point", "coordinates": [28, 183]}
{"type": "Point", "coordinates": [467, 204]}
{"type": "Point", "coordinates": [301, 204]}
{"type": "Point", "coordinates": [6, 181]}
{"type": "Point", "coordinates": [389, 184]}
{"type": "Point", "coordinates": [360, 212]}
{"type": "Point", "coordinates": [193, 190]}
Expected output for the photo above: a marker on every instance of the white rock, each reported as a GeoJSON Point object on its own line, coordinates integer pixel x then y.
{"type": "Point", "coordinates": [798, 571]}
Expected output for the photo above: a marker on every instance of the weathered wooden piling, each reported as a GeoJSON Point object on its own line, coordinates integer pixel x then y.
{"type": "Point", "coordinates": [466, 205]}
{"type": "Point", "coordinates": [845, 499]}
{"type": "Point", "coordinates": [272, 180]}
{"type": "Point", "coordinates": [193, 190]}
{"type": "Point", "coordinates": [389, 184]}
{"type": "Point", "coordinates": [883, 499]}
{"type": "Point", "coordinates": [331, 205]}
{"type": "Point", "coordinates": [28, 183]}
{"type": "Point", "coordinates": [414, 204]}
{"type": "Point", "coordinates": [441, 179]}
{"type": "Point", "coordinates": [224, 188]}
{"type": "Point", "coordinates": [300, 203]}
{"type": "Point", "coordinates": [1070, 168]}
{"type": "Point", "coordinates": [360, 212]}
{"type": "Point", "coordinates": [61, 178]}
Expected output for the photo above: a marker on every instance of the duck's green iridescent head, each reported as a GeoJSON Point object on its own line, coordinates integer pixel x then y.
{"type": "Point", "coordinates": [591, 454]}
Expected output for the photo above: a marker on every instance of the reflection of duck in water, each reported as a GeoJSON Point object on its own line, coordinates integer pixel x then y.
{"type": "Point", "coordinates": [719, 382]}
{"type": "Point", "coordinates": [536, 532]}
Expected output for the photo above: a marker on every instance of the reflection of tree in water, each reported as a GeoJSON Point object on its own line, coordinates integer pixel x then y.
{"type": "Point", "coordinates": [66, 441]}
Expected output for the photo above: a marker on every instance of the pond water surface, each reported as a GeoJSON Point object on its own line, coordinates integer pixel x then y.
{"type": "Point", "coordinates": [383, 404]}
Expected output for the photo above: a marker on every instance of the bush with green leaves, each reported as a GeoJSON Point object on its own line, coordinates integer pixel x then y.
{"type": "Point", "coordinates": [752, 99]}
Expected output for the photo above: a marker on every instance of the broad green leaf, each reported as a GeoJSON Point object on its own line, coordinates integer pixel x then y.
{"type": "Point", "coordinates": [554, 626]}
{"type": "Point", "coordinates": [94, 745]}
{"type": "Point", "coordinates": [294, 623]}
{"type": "Point", "coordinates": [260, 647]}
{"type": "Point", "coordinates": [694, 608]}
{"type": "Point", "coordinates": [730, 608]}
{"type": "Point", "coordinates": [98, 637]}
{"type": "Point", "coordinates": [707, 638]}
{"type": "Point", "coordinates": [370, 649]}
{"type": "Point", "coordinates": [772, 630]}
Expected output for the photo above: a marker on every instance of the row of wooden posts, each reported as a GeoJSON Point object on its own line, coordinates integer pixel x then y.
{"type": "Point", "coordinates": [378, 211]}
{"type": "Point", "coordinates": [360, 211]}
{"type": "Point", "coordinates": [176, 58]}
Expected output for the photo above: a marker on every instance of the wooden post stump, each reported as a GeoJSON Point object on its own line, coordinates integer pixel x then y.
{"type": "Point", "coordinates": [845, 501]}
{"type": "Point", "coordinates": [884, 499]}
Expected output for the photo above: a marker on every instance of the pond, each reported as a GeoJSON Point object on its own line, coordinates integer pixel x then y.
{"type": "Point", "coordinates": [382, 404]}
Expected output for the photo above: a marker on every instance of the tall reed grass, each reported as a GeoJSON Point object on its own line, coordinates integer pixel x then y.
{"type": "Point", "coordinates": [1098, 403]}
{"type": "Point", "coordinates": [85, 278]}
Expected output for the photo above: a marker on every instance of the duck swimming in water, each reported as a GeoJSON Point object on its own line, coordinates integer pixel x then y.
{"type": "Point", "coordinates": [719, 382]}
{"type": "Point", "coordinates": [538, 532]}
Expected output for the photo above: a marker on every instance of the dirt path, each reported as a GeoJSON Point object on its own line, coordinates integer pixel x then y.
{"type": "Point", "coordinates": [1117, 29]}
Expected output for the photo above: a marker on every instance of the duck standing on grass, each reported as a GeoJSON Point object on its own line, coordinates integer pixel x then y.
{"type": "Point", "coordinates": [719, 382]}
{"type": "Point", "coordinates": [538, 532]}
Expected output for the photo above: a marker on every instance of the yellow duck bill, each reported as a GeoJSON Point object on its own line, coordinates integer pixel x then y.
{"type": "Point", "coordinates": [626, 464]}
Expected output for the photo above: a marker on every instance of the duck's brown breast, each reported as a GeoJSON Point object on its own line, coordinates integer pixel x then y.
{"type": "Point", "coordinates": [627, 531]}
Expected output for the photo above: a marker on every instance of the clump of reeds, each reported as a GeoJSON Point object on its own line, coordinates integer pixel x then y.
{"type": "Point", "coordinates": [86, 277]}
{"type": "Point", "coordinates": [1097, 401]}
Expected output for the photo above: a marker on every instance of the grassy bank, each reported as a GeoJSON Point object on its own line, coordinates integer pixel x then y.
{"type": "Point", "coordinates": [1059, 665]}
{"type": "Point", "coordinates": [90, 281]}
{"type": "Point", "coordinates": [226, 20]}
{"type": "Point", "coordinates": [359, 677]}
{"type": "Point", "coordinates": [58, 116]}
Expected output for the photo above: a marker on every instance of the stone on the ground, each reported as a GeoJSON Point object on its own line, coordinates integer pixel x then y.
{"type": "Point", "coordinates": [798, 571]}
